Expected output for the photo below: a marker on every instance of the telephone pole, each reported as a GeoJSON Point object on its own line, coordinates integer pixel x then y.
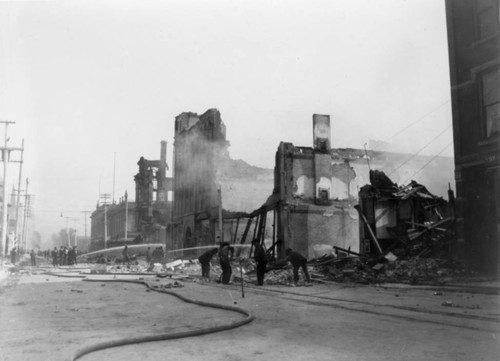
{"type": "Point", "coordinates": [27, 214]}
{"type": "Point", "coordinates": [126, 216]}
{"type": "Point", "coordinates": [68, 233]}
{"type": "Point", "coordinates": [19, 190]}
{"type": "Point", "coordinates": [85, 219]}
{"type": "Point", "coordinates": [105, 198]}
{"type": "Point", "coordinates": [5, 157]}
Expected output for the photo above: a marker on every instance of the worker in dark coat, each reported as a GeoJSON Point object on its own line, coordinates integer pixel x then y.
{"type": "Point", "coordinates": [260, 257]}
{"type": "Point", "coordinates": [33, 258]}
{"type": "Point", "coordinates": [298, 261]}
{"type": "Point", "coordinates": [13, 255]}
{"type": "Point", "coordinates": [226, 253]}
{"type": "Point", "coordinates": [125, 255]}
{"type": "Point", "coordinates": [55, 257]}
{"type": "Point", "coordinates": [205, 259]}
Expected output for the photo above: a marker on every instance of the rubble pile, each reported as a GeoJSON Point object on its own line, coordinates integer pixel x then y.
{"type": "Point", "coordinates": [409, 232]}
{"type": "Point", "coordinates": [419, 270]}
{"type": "Point", "coordinates": [282, 276]}
{"type": "Point", "coordinates": [422, 223]}
{"type": "Point", "coordinates": [414, 270]}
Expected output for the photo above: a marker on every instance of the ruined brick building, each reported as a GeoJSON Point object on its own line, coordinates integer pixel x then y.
{"type": "Point", "coordinates": [143, 220]}
{"type": "Point", "coordinates": [306, 203]}
{"type": "Point", "coordinates": [474, 53]}
{"type": "Point", "coordinates": [202, 167]}
{"type": "Point", "coordinates": [305, 211]}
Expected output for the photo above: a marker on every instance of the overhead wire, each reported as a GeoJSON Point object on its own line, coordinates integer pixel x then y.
{"type": "Point", "coordinates": [412, 156]}
{"type": "Point", "coordinates": [421, 149]}
{"type": "Point", "coordinates": [413, 123]}
{"type": "Point", "coordinates": [429, 162]}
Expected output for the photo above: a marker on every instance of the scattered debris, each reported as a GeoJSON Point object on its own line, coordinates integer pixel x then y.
{"type": "Point", "coordinates": [404, 221]}
{"type": "Point", "coordinates": [469, 307]}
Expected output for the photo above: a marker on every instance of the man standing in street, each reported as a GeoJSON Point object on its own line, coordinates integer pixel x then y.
{"type": "Point", "coordinates": [33, 258]}
{"type": "Point", "coordinates": [259, 255]}
{"type": "Point", "coordinates": [55, 257]}
{"type": "Point", "coordinates": [298, 261]}
{"type": "Point", "coordinates": [13, 254]}
{"type": "Point", "coordinates": [125, 256]}
{"type": "Point", "coordinates": [226, 253]}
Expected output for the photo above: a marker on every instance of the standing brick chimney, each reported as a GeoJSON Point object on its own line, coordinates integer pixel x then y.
{"type": "Point", "coordinates": [322, 159]}
{"type": "Point", "coordinates": [161, 177]}
{"type": "Point", "coordinates": [321, 132]}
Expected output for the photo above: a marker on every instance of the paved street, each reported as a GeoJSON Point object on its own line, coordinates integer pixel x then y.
{"type": "Point", "coordinates": [44, 317]}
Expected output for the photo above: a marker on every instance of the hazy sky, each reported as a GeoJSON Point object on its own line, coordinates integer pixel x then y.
{"type": "Point", "coordinates": [85, 80]}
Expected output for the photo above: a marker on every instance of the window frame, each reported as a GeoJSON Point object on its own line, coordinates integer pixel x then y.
{"type": "Point", "coordinates": [477, 12]}
{"type": "Point", "coordinates": [484, 106]}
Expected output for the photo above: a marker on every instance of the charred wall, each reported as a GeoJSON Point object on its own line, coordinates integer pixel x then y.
{"type": "Point", "coordinates": [305, 219]}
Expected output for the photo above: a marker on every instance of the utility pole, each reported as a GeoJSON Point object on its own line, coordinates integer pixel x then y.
{"type": "Point", "coordinates": [27, 201]}
{"type": "Point", "coordinates": [219, 201]}
{"type": "Point", "coordinates": [114, 171]}
{"type": "Point", "coordinates": [126, 216]}
{"type": "Point", "coordinates": [19, 190]}
{"type": "Point", "coordinates": [105, 198]}
{"type": "Point", "coordinates": [67, 231]}
{"type": "Point", "coordinates": [5, 157]}
{"type": "Point", "coordinates": [85, 219]}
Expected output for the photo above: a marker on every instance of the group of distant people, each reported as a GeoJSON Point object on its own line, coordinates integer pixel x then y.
{"type": "Point", "coordinates": [64, 256]}
{"type": "Point", "coordinates": [155, 256]}
{"type": "Point", "coordinates": [15, 252]}
{"type": "Point", "coordinates": [226, 253]}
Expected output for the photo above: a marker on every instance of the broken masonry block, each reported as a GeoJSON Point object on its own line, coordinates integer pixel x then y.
{"type": "Point", "coordinates": [391, 257]}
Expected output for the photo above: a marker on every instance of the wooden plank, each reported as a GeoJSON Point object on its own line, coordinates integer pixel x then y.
{"type": "Point", "coordinates": [370, 231]}
{"type": "Point", "coordinates": [236, 230]}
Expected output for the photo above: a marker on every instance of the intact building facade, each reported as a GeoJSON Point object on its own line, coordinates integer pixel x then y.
{"type": "Point", "coordinates": [474, 54]}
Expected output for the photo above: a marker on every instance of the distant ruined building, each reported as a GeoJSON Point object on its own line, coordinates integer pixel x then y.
{"type": "Point", "coordinates": [144, 220]}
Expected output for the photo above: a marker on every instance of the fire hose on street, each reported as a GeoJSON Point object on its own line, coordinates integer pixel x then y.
{"type": "Point", "coordinates": [164, 336]}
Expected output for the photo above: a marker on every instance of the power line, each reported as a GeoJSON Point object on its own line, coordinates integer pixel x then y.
{"type": "Point", "coordinates": [426, 164]}
{"type": "Point", "coordinates": [413, 123]}
{"type": "Point", "coordinates": [421, 149]}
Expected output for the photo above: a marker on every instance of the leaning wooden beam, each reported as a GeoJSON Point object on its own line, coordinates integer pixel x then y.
{"type": "Point", "coordinates": [348, 251]}
{"type": "Point", "coordinates": [245, 232]}
{"type": "Point", "coordinates": [372, 235]}
{"type": "Point", "coordinates": [258, 235]}
{"type": "Point", "coordinates": [244, 236]}
{"type": "Point", "coordinates": [262, 227]}
{"type": "Point", "coordinates": [256, 226]}
{"type": "Point", "coordinates": [236, 230]}
{"type": "Point", "coordinates": [433, 226]}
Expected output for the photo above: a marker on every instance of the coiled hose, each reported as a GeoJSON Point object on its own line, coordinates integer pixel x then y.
{"type": "Point", "coordinates": [167, 336]}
